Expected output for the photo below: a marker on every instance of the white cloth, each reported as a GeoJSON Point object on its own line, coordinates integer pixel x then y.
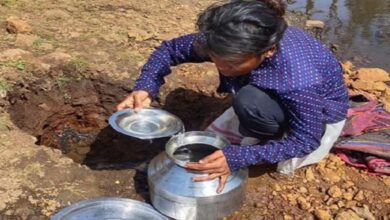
{"type": "Point", "coordinates": [332, 132]}
{"type": "Point", "coordinates": [227, 125]}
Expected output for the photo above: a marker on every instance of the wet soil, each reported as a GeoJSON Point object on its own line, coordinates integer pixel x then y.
{"type": "Point", "coordinates": [60, 83]}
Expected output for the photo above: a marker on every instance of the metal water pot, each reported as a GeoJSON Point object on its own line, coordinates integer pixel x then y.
{"type": "Point", "coordinates": [172, 190]}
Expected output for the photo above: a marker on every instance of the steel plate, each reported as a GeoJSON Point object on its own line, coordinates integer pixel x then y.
{"type": "Point", "coordinates": [109, 209]}
{"type": "Point", "coordinates": [146, 123]}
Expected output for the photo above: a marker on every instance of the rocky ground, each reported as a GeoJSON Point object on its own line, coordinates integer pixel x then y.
{"type": "Point", "coordinates": [63, 67]}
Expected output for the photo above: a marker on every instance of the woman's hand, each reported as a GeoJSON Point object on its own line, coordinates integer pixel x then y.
{"type": "Point", "coordinates": [136, 100]}
{"type": "Point", "coordinates": [215, 165]}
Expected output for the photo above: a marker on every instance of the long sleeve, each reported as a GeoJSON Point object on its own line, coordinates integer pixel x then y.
{"type": "Point", "coordinates": [305, 108]}
{"type": "Point", "coordinates": [170, 53]}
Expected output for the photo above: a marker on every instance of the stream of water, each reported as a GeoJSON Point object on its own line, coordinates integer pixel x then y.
{"type": "Point", "coordinates": [361, 28]}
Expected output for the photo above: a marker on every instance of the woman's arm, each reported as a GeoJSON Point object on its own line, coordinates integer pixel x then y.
{"type": "Point", "coordinates": [170, 53]}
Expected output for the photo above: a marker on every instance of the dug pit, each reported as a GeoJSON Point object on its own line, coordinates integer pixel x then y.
{"type": "Point", "coordinates": [71, 114]}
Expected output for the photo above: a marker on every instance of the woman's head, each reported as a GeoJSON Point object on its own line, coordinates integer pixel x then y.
{"type": "Point", "coordinates": [240, 34]}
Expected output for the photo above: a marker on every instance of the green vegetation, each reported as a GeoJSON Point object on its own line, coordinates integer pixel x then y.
{"type": "Point", "coordinates": [18, 64]}
{"type": "Point", "coordinates": [45, 34]}
{"type": "Point", "coordinates": [62, 80]}
{"type": "Point", "coordinates": [37, 43]}
{"type": "Point", "coordinates": [8, 3]}
{"type": "Point", "coordinates": [79, 62]}
{"type": "Point", "coordinates": [3, 125]}
{"type": "Point", "coordinates": [5, 85]}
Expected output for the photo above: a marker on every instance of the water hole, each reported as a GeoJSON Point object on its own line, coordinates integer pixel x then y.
{"type": "Point", "coordinates": [73, 118]}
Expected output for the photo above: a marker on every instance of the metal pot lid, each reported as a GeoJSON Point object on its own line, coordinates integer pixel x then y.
{"type": "Point", "coordinates": [146, 123]}
{"type": "Point", "coordinates": [109, 209]}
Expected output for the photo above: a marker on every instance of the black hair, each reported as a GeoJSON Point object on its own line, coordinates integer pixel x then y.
{"type": "Point", "coordinates": [241, 28]}
{"type": "Point", "coordinates": [277, 5]}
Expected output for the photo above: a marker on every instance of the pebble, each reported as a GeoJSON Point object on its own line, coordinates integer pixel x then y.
{"type": "Point", "coordinates": [373, 74]}
{"type": "Point", "coordinates": [350, 204]}
{"type": "Point", "coordinates": [292, 198]}
{"type": "Point", "coordinates": [322, 214]}
{"type": "Point", "coordinates": [271, 206]}
{"type": "Point", "coordinates": [359, 196]}
{"type": "Point", "coordinates": [347, 215]}
{"type": "Point", "coordinates": [340, 204]}
{"type": "Point", "coordinates": [334, 192]}
{"type": "Point", "coordinates": [309, 175]}
{"type": "Point", "coordinates": [302, 189]}
{"type": "Point", "coordinates": [276, 187]}
{"type": "Point", "coordinates": [349, 184]}
{"type": "Point", "coordinates": [83, 150]}
{"type": "Point", "coordinates": [336, 160]}
{"type": "Point", "coordinates": [334, 208]}
{"type": "Point", "coordinates": [330, 176]}
{"type": "Point", "coordinates": [303, 203]}
{"type": "Point", "coordinates": [326, 197]}
{"type": "Point", "coordinates": [315, 24]}
{"type": "Point", "coordinates": [16, 25]}
{"type": "Point", "coordinates": [348, 196]}
{"type": "Point", "coordinates": [364, 212]}
{"type": "Point", "coordinates": [329, 201]}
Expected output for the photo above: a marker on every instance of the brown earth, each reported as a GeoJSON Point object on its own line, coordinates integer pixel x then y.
{"type": "Point", "coordinates": [371, 81]}
{"type": "Point", "coordinates": [63, 68]}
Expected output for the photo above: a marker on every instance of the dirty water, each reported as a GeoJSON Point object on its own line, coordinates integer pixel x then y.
{"type": "Point", "coordinates": [360, 28]}
{"type": "Point", "coordinates": [193, 152]}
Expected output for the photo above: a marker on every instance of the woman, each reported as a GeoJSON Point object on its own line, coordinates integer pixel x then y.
{"type": "Point", "coordinates": [288, 87]}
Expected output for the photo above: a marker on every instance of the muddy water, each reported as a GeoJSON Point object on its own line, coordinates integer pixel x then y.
{"type": "Point", "coordinates": [360, 27]}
